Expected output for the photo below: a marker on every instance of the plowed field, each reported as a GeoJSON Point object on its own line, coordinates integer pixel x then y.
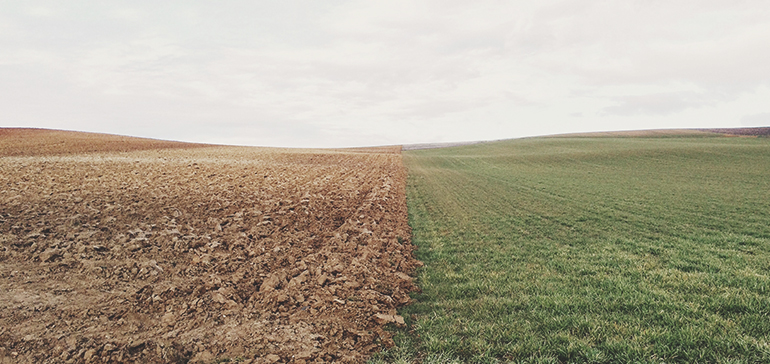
{"type": "Point", "coordinates": [203, 254]}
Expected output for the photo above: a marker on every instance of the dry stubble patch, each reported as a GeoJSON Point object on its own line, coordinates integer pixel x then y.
{"type": "Point", "coordinates": [176, 255]}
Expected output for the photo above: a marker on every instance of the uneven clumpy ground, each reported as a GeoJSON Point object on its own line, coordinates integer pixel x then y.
{"type": "Point", "coordinates": [202, 255]}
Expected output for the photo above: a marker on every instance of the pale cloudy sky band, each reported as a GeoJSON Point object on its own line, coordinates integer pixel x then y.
{"type": "Point", "coordinates": [351, 73]}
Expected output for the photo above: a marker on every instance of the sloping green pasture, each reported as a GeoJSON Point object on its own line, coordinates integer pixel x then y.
{"type": "Point", "coordinates": [592, 250]}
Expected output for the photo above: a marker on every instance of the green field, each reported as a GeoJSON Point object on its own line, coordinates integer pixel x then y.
{"type": "Point", "coordinates": [591, 250]}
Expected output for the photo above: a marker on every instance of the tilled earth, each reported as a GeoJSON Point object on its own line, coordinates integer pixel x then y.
{"type": "Point", "coordinates": [205, 254]}
{"type": "Point", "coordinates": [757, 131]}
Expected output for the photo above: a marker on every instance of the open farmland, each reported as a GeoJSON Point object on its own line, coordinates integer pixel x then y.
{"type": "Point", "coordinates": [606, 250]}
{"type": "Point", "coordinates": [162, 252]}
{"type": "Point", "coordinates": [42, 142]}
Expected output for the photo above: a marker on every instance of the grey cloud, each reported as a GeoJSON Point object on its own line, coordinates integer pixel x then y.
{"type": "Point", "coordinates": [762, 119]}
{"type": "Point", "coordinates": [381, 71]}
{"type": "Point", "coordinates": [658, 104]}
{"type": "Point", "coordinates": [711, 44]}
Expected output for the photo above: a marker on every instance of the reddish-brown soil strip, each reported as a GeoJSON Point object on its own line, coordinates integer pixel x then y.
{"type": "Point", "coordinates": [39, 142]}
{"type": "Point", "coordinates": [760, 131]}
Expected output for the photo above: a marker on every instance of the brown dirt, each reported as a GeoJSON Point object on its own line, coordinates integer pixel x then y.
{"type": "Point", "coordinates": [760, 131]}
{"type": "Point", "coordinates": [32, 142]}
{"type": "Point", "coordinates": [255, 255]}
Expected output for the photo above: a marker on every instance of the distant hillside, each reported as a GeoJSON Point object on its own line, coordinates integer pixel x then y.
{"type": "Point", "coordinates": [437, 145]}
{"type": "Point", "coordinates": [638, 133]}
{"type": "Point", "coordinates": [760, 131]}
{"type": "Point", "coordinates": [654, 133]}
{"type": "Point", "coordinates": [36, 142]}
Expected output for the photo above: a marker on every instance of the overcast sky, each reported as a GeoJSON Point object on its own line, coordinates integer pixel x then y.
{"type": "Point", "coordinates": [354, 73]}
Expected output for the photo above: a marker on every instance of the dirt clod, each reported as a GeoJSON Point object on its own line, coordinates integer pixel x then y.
{"type": "Point", "coordinates": [383, 319]}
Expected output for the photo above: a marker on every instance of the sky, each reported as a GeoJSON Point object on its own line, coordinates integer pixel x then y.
{"type": "Point", "coordinates": [340, 73]}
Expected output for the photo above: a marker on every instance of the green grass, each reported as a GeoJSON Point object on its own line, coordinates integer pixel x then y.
{"type": "Point", "coordinates": [599, 250]}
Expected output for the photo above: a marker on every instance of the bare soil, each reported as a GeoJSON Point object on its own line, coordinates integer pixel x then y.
{"type": "Point", "coordinates": [759, 131]}
{"type": "Point", "coordinates": [201, 254]}
{"type": "Point", "coordinates": [40, 142]}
